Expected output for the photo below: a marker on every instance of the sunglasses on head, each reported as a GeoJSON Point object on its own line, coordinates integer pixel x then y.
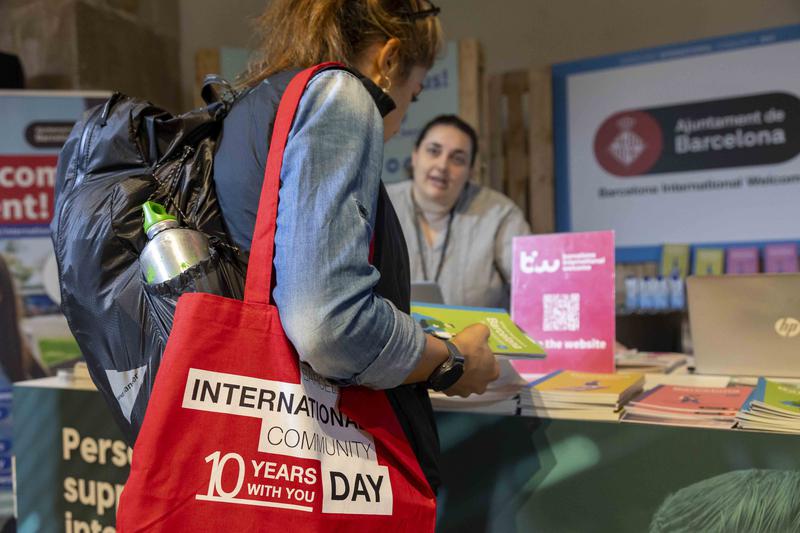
{"type": "Point", "coordinates": [432, 11]}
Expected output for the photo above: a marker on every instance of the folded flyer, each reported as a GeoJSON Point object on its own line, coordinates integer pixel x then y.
{"type": "Point", "coordinates": [506, 339]}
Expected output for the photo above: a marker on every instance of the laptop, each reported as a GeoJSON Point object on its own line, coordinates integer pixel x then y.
{"type": "Point", "coordinates": [426, 291]}
{"type": "Point", "coordinates": [746, 325]}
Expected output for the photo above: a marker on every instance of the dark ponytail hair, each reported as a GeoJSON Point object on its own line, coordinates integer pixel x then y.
{"type": "Point", "coordinates": [456, 122]}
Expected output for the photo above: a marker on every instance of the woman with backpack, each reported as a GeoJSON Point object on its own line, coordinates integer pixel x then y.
{"type": "Point", "coordinates": [341, 265]}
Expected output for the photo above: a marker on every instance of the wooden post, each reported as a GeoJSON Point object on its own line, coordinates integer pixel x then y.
{"type": "Point", "coordinates": [496, 169]}
{"type": "Point", "coordinates": [541, 194]}
{"type": "Point", "coordinates": [515, 86]}
{"type": "Point", "coordinates": [521, 143]}
{"type": "Point", "coordinates": [470, 95]}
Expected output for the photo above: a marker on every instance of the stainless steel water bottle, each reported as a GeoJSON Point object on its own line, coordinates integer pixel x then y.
{"type": "Point", "coordinates": [171, 249]}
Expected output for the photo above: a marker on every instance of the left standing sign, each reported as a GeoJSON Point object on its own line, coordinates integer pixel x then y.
{"type": "Point", "coordinates": [34, 337]}
{"type": "Point", "coordinates": [35, 126]}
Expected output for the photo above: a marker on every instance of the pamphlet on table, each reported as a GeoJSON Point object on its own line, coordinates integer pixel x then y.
{"type": "Point", "coordinates": [772, 406]}
{"type": "Point", "coordinates": [714, 407]}
{"type": "Point", "coordinates": [580, 395]}
{"type": "Point", "coordinates": [649, 362]}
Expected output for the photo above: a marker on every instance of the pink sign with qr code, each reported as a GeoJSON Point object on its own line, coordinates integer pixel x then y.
{"type": "Point", "coordinates": [562, 296]}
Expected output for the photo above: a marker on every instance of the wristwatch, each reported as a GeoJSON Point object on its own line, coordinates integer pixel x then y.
{"type": "Point", "coordinates": [446, 374]}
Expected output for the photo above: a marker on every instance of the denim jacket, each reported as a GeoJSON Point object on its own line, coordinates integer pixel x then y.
{"type": "Point", "coordinates": [326, 213]}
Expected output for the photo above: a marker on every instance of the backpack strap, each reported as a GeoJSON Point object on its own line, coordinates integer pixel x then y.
{"type": "Point", "coordinates": [219, 95]}
{"type": "Point", "coordinates": [259, 271]}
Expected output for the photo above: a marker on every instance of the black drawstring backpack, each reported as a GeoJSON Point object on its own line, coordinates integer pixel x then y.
{"type": "Point", "coordinates": [120, 155]}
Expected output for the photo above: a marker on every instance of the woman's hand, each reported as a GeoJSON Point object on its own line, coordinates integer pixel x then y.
{"type": "Point", "coordinates": [480, 364]}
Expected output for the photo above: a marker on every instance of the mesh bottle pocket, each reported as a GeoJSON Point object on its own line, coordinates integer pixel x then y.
{"type": "Point", "coordinates": [215, 275]}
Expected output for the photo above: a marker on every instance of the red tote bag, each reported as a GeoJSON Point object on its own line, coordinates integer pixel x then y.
{"type": "Point", "coordinates": [238, 436]}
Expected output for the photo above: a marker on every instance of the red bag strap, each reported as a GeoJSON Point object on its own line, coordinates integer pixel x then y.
{"type": "Point", "coordinates": [259, 270]}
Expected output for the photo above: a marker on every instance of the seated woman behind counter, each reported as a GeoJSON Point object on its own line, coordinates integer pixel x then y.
{"type": "Point", "coordinates": [458, 233]}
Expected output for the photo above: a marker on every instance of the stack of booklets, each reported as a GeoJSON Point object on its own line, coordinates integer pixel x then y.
{"type": "Point", "coordinates": [649, 362]}
{"type": "Point", "coordinates": [501, 396]}
{"type": "Point", "coordinates": [773, 406]}
{"type": "Point", "coordinates": [580, 395]}
{"type": "Point", "coordinates": [675, 405]}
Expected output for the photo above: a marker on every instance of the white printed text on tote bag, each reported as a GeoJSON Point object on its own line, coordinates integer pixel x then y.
{"type": "Point", "coordinates": [306, 438]}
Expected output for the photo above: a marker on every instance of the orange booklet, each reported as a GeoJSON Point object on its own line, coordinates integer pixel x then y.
{"type": "Point", "coordinates": [586, 387]}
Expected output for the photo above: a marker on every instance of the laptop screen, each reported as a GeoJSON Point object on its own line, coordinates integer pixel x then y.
{"type": "Point", "coordinates": [426, 291]}
{"type": "Point", "coordinates": [746, 324]}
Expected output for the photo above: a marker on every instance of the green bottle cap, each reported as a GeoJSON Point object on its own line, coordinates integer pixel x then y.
{"type": "Point", "coordinates": [154, 213]}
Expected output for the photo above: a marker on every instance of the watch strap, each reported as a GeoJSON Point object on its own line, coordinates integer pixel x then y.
{"type": "Point", "coordinates": [446, 374]}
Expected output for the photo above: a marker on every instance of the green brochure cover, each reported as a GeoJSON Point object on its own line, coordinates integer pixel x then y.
{"type": "Point", "coordinates": [505, 339]}
{"type": "Point", "coordinates": [778, 396]}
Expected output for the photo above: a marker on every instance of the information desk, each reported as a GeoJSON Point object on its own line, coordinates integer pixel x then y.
{"type": "Point", "coordinates": [524, 474]}
{"type": "Point", "coordinates": [501, 473]}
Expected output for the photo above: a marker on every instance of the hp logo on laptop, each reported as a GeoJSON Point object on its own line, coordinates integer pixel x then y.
{"type": "Point", "coordinates": [787, 327]}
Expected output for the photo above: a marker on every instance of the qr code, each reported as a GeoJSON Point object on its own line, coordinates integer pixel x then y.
{"type": "Point", "coordinates": [562, 312]}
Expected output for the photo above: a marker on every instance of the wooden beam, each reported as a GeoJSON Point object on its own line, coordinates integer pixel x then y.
{"type": "Point", "coordinates": [484, 152]}
{"type": "Point", "coordinates": [470, 97]}
{"type": "Point", "coordinates": [515, 82]}
{"type": "Point", "coordinates": [516, 149]}
{"type": "Point", "coordinates": [469, 81]}
{"type": "Point", "coordinates": [541, 198]}
{"type": "Point", "coordinates": [496, 155]}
